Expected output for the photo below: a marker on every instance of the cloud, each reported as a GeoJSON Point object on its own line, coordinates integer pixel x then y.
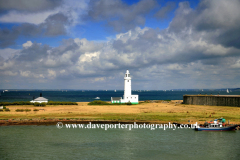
{"type": "Point", "coordinates": [119, 15]}
{"type": "Point", "coordinates": [187, 54]}
{"type": "Point", "coordinates": [27, 44]}
{"type": "Point", "coordinates": [54, 25]}
{"type": "Point", "coordinates": [164, 11]}
{"type": "Point", "coordinates": [29, 6]}
{"type": "Point", "coordinates": [215, 20]}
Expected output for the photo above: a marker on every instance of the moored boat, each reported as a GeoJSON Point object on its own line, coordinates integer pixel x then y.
{"type": "Point", "coordinates": [216, 125]}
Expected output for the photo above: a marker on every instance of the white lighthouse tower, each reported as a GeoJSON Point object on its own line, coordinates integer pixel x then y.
{"type": "Point", "coordinates": [127, 85]}
{"type": "Point", "coordinates": [127, 97]}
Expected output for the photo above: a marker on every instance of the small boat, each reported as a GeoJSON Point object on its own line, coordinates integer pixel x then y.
{"type": "Point", "coordinates": [216, 125]}
{"type": "Point", "coordinates": [227, 91]}
{"type": "Point", "coordinates": [115, 90]}
{"type": "Point", "coordinates": [97, 98]}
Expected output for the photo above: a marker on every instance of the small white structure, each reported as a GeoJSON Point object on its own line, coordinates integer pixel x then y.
{"type": "Point", "coordinates": [40, 99]}
{"type": "Point", "coordinates": [127, 97]}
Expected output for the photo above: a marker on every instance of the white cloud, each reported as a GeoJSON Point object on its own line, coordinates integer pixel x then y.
{"type": "Point", "coordinates": [25, 73]}
{"type": "Point", "coordinates": [51, 74]}
{"type": "Point", "coordinates": [27, 44]}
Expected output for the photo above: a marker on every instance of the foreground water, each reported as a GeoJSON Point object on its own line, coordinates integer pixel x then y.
{"type": "Point", "coordinates": [48, 142]}
{"type": "Point", "coordinates": [87, 96]}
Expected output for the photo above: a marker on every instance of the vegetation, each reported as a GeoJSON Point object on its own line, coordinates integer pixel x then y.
{"type": "Point", "coordinates": [99, 102]}
{"type": "Point", "coordinates": [19, 110]}
{"type": "Point", "coordinates": [1, 110]}
{"type": "Point", "coordinates": [36, 110]}
{"type": "Point", "coordinates": [40, 104]}
{"type": "Point", "coordinates": [7, 110]}
{"type": "Point", "coordinates": [61, 103]}
{"type": "Point", "coordinates": [27, 110]}
{"type": "Point", "coordinates": [15, 103]}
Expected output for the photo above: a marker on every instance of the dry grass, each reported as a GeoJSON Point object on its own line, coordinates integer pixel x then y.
{"type": "Point", "coordinates": [164, 112]}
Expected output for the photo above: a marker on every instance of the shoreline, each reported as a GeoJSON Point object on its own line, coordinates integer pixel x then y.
{"type": "Point", "coordinates": [54, 122]}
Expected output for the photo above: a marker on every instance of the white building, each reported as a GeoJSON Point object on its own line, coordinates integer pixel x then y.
{"type": "Point", "coordinates": [127, 97]}
{"type": "Point", "coordinates": [40, 99]}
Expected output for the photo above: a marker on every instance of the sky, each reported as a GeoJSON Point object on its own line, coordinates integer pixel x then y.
{"type": "Point", "coordinates": [89, 44]}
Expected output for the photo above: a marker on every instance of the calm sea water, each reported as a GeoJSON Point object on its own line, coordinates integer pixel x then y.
{"type": "Point", "coordinates": [48, 142]}
{"type": "Point", "coordinates": [87, 96]}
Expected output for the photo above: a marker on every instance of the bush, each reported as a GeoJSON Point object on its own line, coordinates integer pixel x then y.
{"type": "Point", "coordinates": [36, 110]}
{"type": "Point", "coordinates": [128, 103]}
{"type": "Point", "coordinates": [40, 104]}
{"type": "Point", "coordinates": [19, 110]}
{"type": "Point", "coordinates": [7, 110]}
{"type": "Point", "coordinates": [1, 110]}
{"type": "Point", "coordinates": [15, 103]}
{"type": "Point", "coordinates": [61, 103]}
{"type": "Point", "coordinates": [99, 102]}
{"type": "Point", "coordinates": [27, 110]}
{"type": "Point", "coordinates": [4, 107]}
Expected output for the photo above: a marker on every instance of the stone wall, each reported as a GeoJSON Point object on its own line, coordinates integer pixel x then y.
{"type": "Point", "coordinates": [212, 100]}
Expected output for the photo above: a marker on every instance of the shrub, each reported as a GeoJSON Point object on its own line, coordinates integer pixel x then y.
{"type": "Point", "coordinates": [27, 110]}
{"type": "Point", "coordinates": [7, 110]}
{"type": "Point", "coordinates": [19, 110]}
{"type": "Point", "coordinates": [15, 103]}
{"type": "Point", "coordinates": [98, 102]}
{"type": "Point", "coordinates": [61, 103]}
{"type": "Point", "coordinates": [4, 107]}
{"type": "Point", "coordinates": [40, 104]}
{"type": "Point", "coordinates": [1, 110]}
{"type": "Point", "coordinates": [36, 110]}
{"type": "Point", "coordinates": [128, 103]}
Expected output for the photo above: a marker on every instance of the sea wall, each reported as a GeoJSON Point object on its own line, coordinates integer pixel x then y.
{"type": "Point", "coordinates": [212, 100]}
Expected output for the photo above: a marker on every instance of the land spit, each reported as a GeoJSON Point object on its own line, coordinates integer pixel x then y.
{"type": "Point", "coordinates": [145, 112]}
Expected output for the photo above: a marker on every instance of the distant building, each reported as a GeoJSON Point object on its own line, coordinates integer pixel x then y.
{"type": "Point", "coordinates": [127, 97]}
{"type": "Point", "coordinates": [40, 99]}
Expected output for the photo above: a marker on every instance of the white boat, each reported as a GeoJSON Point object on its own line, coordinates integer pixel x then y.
{"type": "Point", "coordinates": [97, 98]}
{"type": "Point", "coordinates": [227, 91]}
{"type": "Point", "coordinates": [115, 90]}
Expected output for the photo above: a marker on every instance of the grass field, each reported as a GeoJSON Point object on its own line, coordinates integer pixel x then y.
{"type": "Point", "coordinates": [164, 111]}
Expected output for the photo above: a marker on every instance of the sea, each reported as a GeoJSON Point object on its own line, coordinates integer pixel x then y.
{"type": "Point", "coordinates": [50, 143]}
{"type": "Point", "coordinates": [104, 95]}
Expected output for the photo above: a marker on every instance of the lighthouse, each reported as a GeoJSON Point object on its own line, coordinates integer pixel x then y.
{"type": "Point", "coordinates": [127, 85]}
{"type": "Point", "coordinates": [127, 97]}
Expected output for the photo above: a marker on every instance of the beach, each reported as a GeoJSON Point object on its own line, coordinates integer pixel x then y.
{"type": "Point", "coordinates": [147, 112]}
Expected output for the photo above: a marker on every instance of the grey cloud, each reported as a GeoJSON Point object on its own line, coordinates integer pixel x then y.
{"type": "Point", "coordinates": [218, 20]}
{"type": "Point", "coordinates": [119, 15]}
{"type": "Point", "coordinates": [164, 11]}
{"type": "Point", "coordinates": [7, 37]}
{"type": "Point", "coordinates": [29, 5]}
{"type": "Point", "coordinates": [54, 25]}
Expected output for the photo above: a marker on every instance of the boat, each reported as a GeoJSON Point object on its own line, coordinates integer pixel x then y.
{"type": "Point", "coordinates": [97, 98]}
{"type": "Point", "coordinates": [115, 90]}
{"type": "Point", "coordinates": [227, 91]}
{"type": "Point", "coordinates": [216, 125]}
